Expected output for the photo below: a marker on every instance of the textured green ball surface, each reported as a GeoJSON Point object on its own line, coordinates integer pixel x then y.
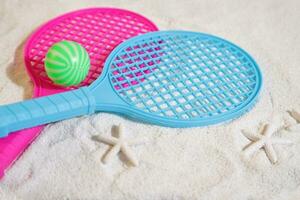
{"type": "Point", "coordinates": [67, 63]}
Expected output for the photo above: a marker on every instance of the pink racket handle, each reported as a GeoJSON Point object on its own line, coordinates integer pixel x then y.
{"type": "Point", "coordinates": [14, 144]}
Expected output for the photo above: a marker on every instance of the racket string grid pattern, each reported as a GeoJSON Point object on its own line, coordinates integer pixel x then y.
{"type": "Point", "coordinates": [182, 78]}
{"type": "Point", "coordinates": [98, 32]}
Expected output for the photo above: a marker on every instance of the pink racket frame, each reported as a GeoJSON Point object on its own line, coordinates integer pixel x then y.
{"type": "Point", "coordinates": [13, 146]}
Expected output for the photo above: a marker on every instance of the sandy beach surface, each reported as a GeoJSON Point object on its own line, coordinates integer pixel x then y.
{"type": "Point", "coordinates": [64, 162]}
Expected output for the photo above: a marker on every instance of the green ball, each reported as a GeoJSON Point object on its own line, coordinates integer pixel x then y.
{"type": "Point", "coordinates": [67, 63]}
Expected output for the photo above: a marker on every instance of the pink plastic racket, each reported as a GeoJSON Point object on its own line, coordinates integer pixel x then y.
{"type": "Point", "coordinates": [99, 30]}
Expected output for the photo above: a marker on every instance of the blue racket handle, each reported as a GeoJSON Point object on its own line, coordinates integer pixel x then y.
{"type": "Point", "coordinates": [46, 109]}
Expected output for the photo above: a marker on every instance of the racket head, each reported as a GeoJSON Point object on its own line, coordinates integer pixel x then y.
{"type": "Point", "coordinates": [99, 30]}
{"type": "Point", "coordinates": [181, 79]}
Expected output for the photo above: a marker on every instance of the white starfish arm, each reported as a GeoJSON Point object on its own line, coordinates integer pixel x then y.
{"type": "Point", "coordinates": [295, 115]}
{"type": "Point", "coordinates": [262, 129]}
{"type": "Point", "coordinates": [254, 147]}
{"type": "Point", "coordinates": [268, 130]}
{"type": "Point", "coordinates": [110, 140]}
{"type": "Point", "coordinates": [270, 152]}
{"type": "Point", "coordinates": [277, 140]}
{"type": "Point", "coordinates": [129, 154]}
{"type": "Point", "coordinates": [113, 151]}
{"type": "Point", "coordinates": [250, 136]}
{"type": "Point", "coordinates": [120, 131]}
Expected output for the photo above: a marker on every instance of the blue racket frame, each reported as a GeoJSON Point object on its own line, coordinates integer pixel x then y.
{"type": "Point", "coordinates": [139, 115]}
{"type": "Point", "coordinates": [101, 96]}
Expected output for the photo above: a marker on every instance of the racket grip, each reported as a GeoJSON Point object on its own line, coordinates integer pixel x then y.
{"type": "Point", "coordinates": [46, 109]}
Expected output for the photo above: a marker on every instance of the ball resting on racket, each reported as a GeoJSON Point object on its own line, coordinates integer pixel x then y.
{"type": "Point", "coordinates": [67, 63]}
{"type": "Point", "coordinates": [169, 78]}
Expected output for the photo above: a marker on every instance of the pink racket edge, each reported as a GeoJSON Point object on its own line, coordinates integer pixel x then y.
{"type": "Point", "coordinates": [37, 82]}
{"type": "Point", "coordinates": [12, 146]}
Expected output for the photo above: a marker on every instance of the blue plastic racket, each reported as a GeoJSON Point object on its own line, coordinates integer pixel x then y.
{"type": "Point", "coordinates": [169, 78]}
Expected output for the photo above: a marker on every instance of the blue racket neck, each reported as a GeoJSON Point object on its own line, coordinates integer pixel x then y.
{"type": "Point", "coordinates": [105, 96]}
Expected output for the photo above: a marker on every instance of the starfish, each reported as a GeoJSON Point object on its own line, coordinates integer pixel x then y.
{"type": "Point", "coordinates": [264, 140]}
{"type": "Point", "coordinates": [119, 145]}
{"type": "Point", "coordinates": [296, 116]}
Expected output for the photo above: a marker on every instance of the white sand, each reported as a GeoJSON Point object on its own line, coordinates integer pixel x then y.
{"type": "Point", "coordinates": [198, 163]}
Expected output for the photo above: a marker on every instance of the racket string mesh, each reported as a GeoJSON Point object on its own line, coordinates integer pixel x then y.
{"type": "Point", "coordinates": [183, 77]}
{"type": "Point", "coordinates": [99, 32]}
